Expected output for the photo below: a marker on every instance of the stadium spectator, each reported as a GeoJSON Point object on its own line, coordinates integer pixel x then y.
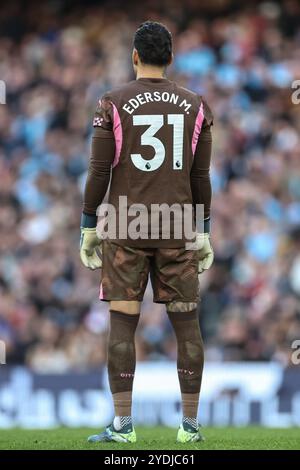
{"type": "Point", "coordinates": [56, 62]}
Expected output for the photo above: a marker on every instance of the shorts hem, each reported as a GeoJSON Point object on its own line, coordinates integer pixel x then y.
{"type": "Point", "coordinates": [155, 300]}
{"type": "Point", "coordinates": [118, 299]}
{"type": "Point", "coordinates": [159, 301]}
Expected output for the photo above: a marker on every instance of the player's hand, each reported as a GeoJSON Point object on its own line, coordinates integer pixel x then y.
{"type": "Point", "coordinates": [206, 254]}
{"type": "Point", "coordinates": [90, 248]}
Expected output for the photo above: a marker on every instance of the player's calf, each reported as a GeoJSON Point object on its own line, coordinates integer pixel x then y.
{"type": "Point", "coordinates": [190, 358]}
{"type": "Point", "coordinates": [121, 368]}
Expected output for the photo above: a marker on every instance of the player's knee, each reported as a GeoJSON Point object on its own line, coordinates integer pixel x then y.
{"type": "Point", "coordinates": [177, 306]}
{"type": "Point", "coordinates": [119, 350]}
{"type": "Point", "coordinates": [130, 307]}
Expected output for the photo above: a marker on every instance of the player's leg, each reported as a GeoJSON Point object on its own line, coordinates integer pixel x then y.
{"type": "Point", "coordinates": [175, 283]}
{"type": "Point", "coordinates": [124, 317]}
{"type": "Point", "coordinates": [124, 279]}
{"type": "Point", "coordinates": [190, 357]}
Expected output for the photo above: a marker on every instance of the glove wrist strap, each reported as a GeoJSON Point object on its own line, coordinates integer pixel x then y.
{"type": "Point", "coordinates": [206, 225]}
{"type": "Point", "coordinates": [88, 221]}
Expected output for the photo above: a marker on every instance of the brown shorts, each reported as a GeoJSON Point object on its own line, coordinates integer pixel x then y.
{"type": "Point", "coordinates": [125, 272]}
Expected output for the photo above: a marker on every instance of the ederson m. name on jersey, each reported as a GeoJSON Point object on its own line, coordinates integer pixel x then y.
{"type": "Point", "coordinates": [156, 96]}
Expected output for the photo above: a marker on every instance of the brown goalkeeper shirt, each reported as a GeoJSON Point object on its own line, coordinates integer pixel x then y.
{"type": "Point", "coordinates": [153, 139]}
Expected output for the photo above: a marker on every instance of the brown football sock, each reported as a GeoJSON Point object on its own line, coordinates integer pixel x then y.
{"type": "Point", "coordinates": [121, 360]}
{"type": "Point", "coordinates": [190, 402]}
{"type": "Point", "coordinates": [190, 358]}
{"type": "Point", "coordinates": [122, 403]}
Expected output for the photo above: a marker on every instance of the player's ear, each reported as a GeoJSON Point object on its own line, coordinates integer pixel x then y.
{"type": "Point", "coordinates": [171, 59]}
{"type": "Point", "coordinates": [135, 57]}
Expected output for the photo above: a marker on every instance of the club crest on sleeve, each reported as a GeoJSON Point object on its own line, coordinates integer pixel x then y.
{"type": "Point", "coordinates": [97, 121]}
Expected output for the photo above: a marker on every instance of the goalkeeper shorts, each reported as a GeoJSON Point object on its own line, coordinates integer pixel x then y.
{"type": "Point", "coordinates": [125, 272]}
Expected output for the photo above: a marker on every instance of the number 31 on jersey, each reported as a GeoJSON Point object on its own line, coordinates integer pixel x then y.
{"type": "Point", "coordinates": [156, 122]}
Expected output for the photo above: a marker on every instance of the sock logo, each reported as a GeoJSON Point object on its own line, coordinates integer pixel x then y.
{"type": "Point", "coordinates": [185, 371]}
{"type": "Point", "coordinates": [126, 375]}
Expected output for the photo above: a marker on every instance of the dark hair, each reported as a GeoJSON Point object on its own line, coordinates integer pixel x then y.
{"type": "Point", "coordinates": [153, 42]}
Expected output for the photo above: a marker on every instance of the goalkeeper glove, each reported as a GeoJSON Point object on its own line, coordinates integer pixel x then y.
{"type": "Point", "coordinates": [90, 243]}
{"type": "Point", "coordinates": [206, 254]}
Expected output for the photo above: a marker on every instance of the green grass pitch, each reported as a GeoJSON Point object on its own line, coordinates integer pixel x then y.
{"type": "Point", "coordinates": [157, 438]}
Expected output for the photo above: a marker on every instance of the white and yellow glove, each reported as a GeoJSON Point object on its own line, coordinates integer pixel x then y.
{"type": "Point", "coordinates": [206, 254]}
{"type": "Point", "coordinates": [90, 248]}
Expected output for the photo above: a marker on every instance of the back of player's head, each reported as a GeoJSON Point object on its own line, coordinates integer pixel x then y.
{"type": "Point", "coordinates": [153, 43]}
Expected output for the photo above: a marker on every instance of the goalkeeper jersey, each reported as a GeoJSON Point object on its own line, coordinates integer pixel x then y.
{"type": "Point", "coordinates": [153, 139]}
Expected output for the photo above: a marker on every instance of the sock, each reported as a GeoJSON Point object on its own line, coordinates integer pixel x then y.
{"type": "Point", "coordinates": [190, 403]}
{"type": "Point", "coordinates": [121, 421]}
{"type": "Point", "coordinates": [190, 358]}
{"type": "Point", "coordinates": [122, 403]}
{"type": "Point", "coordinates": [121, 360]}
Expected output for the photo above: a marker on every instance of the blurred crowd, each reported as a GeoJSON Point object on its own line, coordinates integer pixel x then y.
{"type": "Point", "coordinates": [57, 59]}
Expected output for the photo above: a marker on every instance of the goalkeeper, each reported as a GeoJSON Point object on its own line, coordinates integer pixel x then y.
{"type": "Point", "coordinates": [153, 139]}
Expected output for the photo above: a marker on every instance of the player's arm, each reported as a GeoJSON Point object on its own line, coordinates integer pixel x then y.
{"type": "Point", "coordinates": [101, 159]}
{"type": "Point", "coordinates": [201, 187]}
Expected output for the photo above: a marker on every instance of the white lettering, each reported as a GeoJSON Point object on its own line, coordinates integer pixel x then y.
{"type": "Point", "coordinates": [185, 104]}
{"type": "Point", "coordinates": [148, 96]}
{"type": "Point", "coordinates": [134, 103]}
{"type": "Point", "coordinates": [165, 96]}
{"type": "Point", "coordinates": [128, 109]}
{"type": "Point", "coordinates": [140, 99]}
{"type": "Point", "coordinates": [174, 98]}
